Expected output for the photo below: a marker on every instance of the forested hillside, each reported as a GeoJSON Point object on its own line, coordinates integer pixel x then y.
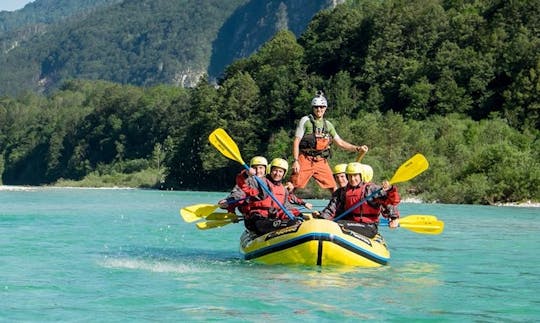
{"type": "Point", "coordinates": [36, 17]}
{"type": "Point", "coordinates": [134, 42]}
{"type": "Point", "coordinates": [47, 12]}
{"type": "Point", "coordinates": [453, 80]}
{"type": "Point", "coordinates": [137, 42]}
{"type": "Point", "coordinates": [253, 22]}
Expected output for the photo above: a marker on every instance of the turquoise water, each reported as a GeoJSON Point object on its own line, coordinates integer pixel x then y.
{"type": "Point", "coordinates": [126, 255]}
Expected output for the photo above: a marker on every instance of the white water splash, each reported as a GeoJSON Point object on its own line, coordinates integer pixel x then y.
{"type": "Point", "coordinates": [153, 266]}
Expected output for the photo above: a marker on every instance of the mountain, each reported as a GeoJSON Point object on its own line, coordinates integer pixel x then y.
{"type": "Point", "coordinates": [47, 12]}
{"type": "Point", "coordinates": [138, 42]}
{"type": "Point", "coordinates": [37, 16]}
{"type": "Point", "coordinates": [256, 22]}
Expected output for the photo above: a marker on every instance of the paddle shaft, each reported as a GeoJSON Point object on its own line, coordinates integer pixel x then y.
{"type": "Point", "coordinates": [236, 201]}
{"type": "Point", "coordinates": [360, 156]}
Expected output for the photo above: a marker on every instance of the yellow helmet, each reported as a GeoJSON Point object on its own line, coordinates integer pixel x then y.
{"type": "Point", "coordinates": [258, 160]}
{"type": "Point", "coordinates": [364, 170]}
{"type": "Point", "coordinates": [340, 168]}
{"type": "Point", "coordinates": [367, 173]}
{"type": "Point", "coordinates": [354, 168]}
{"type": "Point", "coordinates": [281, 163]}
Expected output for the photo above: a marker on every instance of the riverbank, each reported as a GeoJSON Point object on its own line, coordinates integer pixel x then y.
{"type": "Point", "coordinates": [405, 200]}
{"type": "Point", "coordinates": [522, 204]}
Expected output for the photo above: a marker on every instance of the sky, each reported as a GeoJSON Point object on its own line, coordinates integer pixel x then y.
{"type": "Point", "coordinates": [11, 5]}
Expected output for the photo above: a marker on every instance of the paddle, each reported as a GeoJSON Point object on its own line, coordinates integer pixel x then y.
{"type": "Point", "coordinates": [228, 148]}
{"type": "Point", "coordinates": [424, 224]}
{"type": "Point", "coordinates": [220, 216]}
{"type": "Point", "coordinates": [413, 167]}
{"type": "Point", "coordinates": [195, 212]}
{"type": "Point", "coordinates": [218, 219]}
{"type": "Point", "coordinates": [212, 224]}
{"type": "Point", "coordinates": [360, 156]}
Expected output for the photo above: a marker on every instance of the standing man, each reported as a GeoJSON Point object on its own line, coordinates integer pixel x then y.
{"type": "Point", "coordinates": [311, 147]}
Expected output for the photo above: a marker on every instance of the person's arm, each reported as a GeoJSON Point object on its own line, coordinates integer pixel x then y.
{"type": "Point", "coordinates": [388, 202]}
{"type": "Point", "coordinates": [296, 154]}
{"type": "Point", "coordinates": [299, 133]}
{"type": "Point", "coordinates": [329, 212]}
{"type": "Point", "coordinates": [247, 184]}
{"type": "Point", "coordinates": [235, 195]}
{"type": "Point", "coordinates": [391, 212]}
{"type": "Point", "coordinates": [293, 199]}
{"type": "Point", "coordinates": [348, 146]}
{"type": "Point", "coordinates": [342, 143]}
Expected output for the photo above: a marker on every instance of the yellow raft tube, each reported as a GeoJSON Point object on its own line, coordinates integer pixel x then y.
{"type": "Point", "coordinates": [315, 242]}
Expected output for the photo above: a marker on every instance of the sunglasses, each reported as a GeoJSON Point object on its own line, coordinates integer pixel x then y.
{"type": "Point", "coordinates": [319, 107]}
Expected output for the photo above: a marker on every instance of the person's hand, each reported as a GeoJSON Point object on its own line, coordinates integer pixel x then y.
{"type": "Point", "coordinates": [316, 214]}
{"type": "Point", "coordinates": [308, 206]}
{"type": "Point", "coordinates": [252, 171]}
{"type": "Point", "coordinates": [386, 185]}
{"type": "Point", "coordinates": [289, 186]}
{"type": "Point", "coordinates": [223, 204]}
{"type": "Point", "coordinates": [296, 167]}
{"type": "Point", "coordinates": [393, 223]}
{"type": "Point", "coordinates": [362, 148]}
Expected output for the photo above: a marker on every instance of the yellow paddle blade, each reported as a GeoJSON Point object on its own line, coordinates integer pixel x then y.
{"type": "Point", "coordinates": [188, 216]}
{"type": "Point", "coordinates": [195, 212]}
{"type": "Point", "coordinates": [418, 219]}
{"type": "Point", "coordinates": [212, 224]}
{"type": "Point", "coordinates": [435, 227]}
{"type": "Point", "coordinates": [222, 216]}
{"type": "Point", "coordinates": [224, 143]}
{"type": "Point", "coordinates": [410, 169]}
{"type": "Point", "coordinates": [426, 224]}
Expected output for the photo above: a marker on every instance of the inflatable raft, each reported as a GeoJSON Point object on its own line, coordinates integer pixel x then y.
{"type": "Point", "coordinates": [315, 242]}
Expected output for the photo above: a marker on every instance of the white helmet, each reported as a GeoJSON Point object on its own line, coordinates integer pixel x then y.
{"type": "Point", "coordinates": [319, 100]}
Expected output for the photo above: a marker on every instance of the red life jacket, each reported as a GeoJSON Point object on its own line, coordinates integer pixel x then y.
{"type": "Point", "coordinates": [367, 212]}
{"type": "Point", "coordinates": [266, 206]}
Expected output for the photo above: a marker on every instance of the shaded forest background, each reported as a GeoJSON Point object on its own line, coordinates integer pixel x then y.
{"type": "Point", "coordinates": [455, 80]}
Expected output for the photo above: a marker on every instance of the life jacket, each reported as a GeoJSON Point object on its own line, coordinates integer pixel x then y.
{"type": "Point", "coordinates": [367, 212]}
{"type": "Point", "coordinates": [316, 143]}
{"type": "Point", "coordinates": [267, 207]}
{"type": "Point", "coordinates": [242, 206]}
